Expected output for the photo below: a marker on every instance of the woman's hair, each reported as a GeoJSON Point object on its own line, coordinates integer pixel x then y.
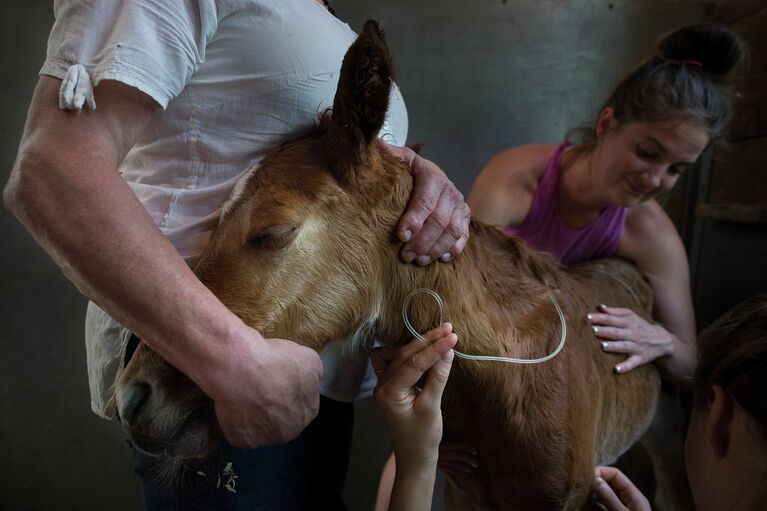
{"type": "Point", "coordinates": [732, 352]}
{"type": "Point", "coordinates": [684, 79]}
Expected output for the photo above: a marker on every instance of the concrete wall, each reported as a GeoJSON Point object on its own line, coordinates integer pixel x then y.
{"type": "Point", "coordinates": [477, 76]}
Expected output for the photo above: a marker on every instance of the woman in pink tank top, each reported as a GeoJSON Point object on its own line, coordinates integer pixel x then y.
{"type": "Point", "coordinates": [596, 199]}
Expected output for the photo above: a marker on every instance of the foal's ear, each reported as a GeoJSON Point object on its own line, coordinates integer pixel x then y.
{"type": "Point", "coordinates": [361, 101]}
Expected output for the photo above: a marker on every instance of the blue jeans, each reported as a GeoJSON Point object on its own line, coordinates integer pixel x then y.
{"type": "Point", "coordinates": [306, 473]}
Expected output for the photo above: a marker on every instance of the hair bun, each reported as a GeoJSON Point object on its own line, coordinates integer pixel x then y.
{"type": "Point", "coordinates": [717, 47]}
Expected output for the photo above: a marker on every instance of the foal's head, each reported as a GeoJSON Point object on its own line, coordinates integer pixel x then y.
{"type": "Point", "coordinates": [300, 253]}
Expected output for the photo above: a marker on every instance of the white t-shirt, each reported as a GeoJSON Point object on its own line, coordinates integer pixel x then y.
{"type": "Point", "coordinates": [235, 78]}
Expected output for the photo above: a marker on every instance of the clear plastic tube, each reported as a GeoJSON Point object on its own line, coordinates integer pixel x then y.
{"type": "Point", "coordinates": [510, 360]}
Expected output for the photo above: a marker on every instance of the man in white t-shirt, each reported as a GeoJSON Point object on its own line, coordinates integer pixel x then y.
{"type": "Point", "coordinates": [190, 94]}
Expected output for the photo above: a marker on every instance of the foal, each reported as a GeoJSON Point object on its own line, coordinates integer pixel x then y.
{"type": "Point", "coordinates": [306, 250]}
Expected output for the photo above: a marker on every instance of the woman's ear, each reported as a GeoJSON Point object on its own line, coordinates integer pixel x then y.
{"type": "Point", "coordinates": [606, 121]}
{"type": "Point", "coordinates": [719, 420]}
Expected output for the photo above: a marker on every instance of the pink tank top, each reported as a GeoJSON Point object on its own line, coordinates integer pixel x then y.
{"type": "Point", "coordinates": [544, 230]}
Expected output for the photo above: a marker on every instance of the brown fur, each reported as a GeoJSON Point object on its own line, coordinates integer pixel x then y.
{"type": "Point", "coordinates": [309, 253]}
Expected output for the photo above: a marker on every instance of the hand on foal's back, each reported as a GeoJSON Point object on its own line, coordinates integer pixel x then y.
{"type": "Point", "coordinates": [436, 222]}
{"type": "Point", "coordinates": [270, 391]}
{"type": "Point", "coordinates": [623, 331]}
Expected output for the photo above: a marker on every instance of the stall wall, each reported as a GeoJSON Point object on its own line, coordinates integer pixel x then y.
{"type": "Point", "coordinates": [477, 76]}
{"type": "Point", "coordinates": [729, 232]}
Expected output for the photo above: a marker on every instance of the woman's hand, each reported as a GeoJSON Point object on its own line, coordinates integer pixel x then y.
{"type": "Point", "coordinates": [412, 414]}
{"type": "Point", "coordinates": [623, 331]}
{"type": "Point", "coordinates": [455, 457]}
{"type": "Point", "coordinates": [616, 492]}
{"type": "Point", "coordinates": [436, 222]}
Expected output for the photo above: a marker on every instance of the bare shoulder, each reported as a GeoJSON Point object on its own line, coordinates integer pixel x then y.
{"type": "Point", "coordinates": [651, 240]}
{"type": "Point", "coordinates": [522, 164]}
{"type": "Point", "coordinates": [503, 191]}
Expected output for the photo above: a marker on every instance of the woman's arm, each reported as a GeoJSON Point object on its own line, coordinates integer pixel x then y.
{"type": "Point", "coordinates": [503, 191]}
{"type": "Point", "coordinates": [651, 241]}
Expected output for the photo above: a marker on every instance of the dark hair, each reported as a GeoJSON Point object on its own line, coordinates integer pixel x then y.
{"type": "Point", "coordinates": [684, 80]}
{"type": "Point", "coordinates": [732, 352]}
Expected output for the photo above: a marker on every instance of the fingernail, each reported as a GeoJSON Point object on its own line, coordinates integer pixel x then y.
{"type": "Point", "coordinates": [596, 329]}
{"type": "Point", "coordinates": [407, 234]}
{"type": "Point", "coordinates": [474, 465]}
{"type": "Point", "coordinates": [602, 306]}
{"type": "Point", "coordinates": [618, 369]}
{"type": "Point", "coordinates": [588, 316]}
{"type": "Point", "coordinates": [446, 257]}
{"type": "Point", "coordinates": [424, 260]}
{"type": "Point", "coordinates": [604, 345]}
{"type": "Point", "coordinates": [448, 357]}
{"type": "Point", "coordinates": [408, 256]}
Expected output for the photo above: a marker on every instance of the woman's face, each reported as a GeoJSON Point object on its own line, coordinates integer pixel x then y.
{"type": "Point", "coordinates": [637, 161]}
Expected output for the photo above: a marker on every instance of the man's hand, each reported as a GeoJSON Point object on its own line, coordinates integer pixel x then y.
{"type": "Point", "coordinates": [436, 222]}
{"type": "Point", "coordinates": [270, 393]}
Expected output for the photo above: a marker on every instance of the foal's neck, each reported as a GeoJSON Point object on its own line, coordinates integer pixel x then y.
{"type": "Point", "coordinates": [487, 290]}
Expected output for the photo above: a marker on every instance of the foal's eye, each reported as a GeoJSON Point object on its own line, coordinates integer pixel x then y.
{"type": "Point", "coordinates": [275, 236]}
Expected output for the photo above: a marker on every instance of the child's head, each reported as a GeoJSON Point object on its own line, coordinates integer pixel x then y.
{"type": "Point", "coordinates": [727, 438]}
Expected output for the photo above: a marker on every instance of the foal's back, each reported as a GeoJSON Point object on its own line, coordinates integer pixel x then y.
{"type": "Point", "coordinates": [541, 429]}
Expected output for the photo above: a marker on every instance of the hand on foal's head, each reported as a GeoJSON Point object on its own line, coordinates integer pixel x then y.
{"type": "Point", "coordinates": [436, 222]}
{"type": "Point", "coordinates": [269, 392]}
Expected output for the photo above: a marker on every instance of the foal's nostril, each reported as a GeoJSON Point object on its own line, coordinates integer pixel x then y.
{"type": "Point", "coordinates": [134, 401]}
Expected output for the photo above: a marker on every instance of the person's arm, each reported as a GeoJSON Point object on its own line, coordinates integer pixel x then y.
{"type": "Point", "coordinates": [503, 191]}
{"type": "Point", "coordinates": [651, 241]}
{"type": "Point", "coordinates": [66, 190]}
{"type": "Point", "coordinates": [412, 416]}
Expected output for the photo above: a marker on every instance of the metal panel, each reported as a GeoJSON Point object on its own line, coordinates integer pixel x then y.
{"type": "Point", "coordinates": [485, 75]}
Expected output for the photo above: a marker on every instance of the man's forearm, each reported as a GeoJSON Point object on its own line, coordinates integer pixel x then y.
{"type": "Point", "coordinates": [90, 222]}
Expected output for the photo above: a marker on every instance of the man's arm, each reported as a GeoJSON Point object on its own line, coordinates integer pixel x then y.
{"type": "Point", "coordinates": [66, 190]}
